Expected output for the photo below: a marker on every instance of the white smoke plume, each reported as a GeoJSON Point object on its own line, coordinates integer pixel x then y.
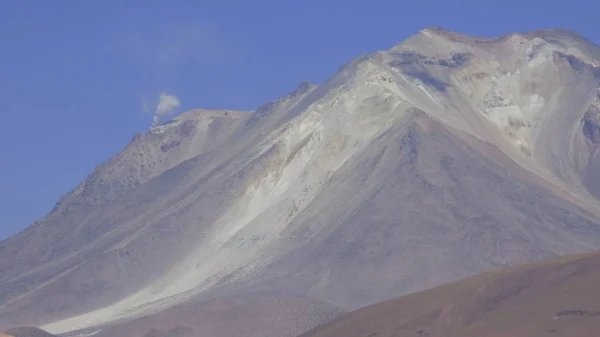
{"type": "Point", "coordinates": [167, 104]}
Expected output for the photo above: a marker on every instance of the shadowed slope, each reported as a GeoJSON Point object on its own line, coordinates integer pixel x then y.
{"type": "Point", "coordinates": [256, 315]}
{"type": "Point", "coordinates": [557, 297]}
{"type": "Point", "coordinates": [424, 206]}
{"type": "Point", "coordinates": [27, 332]}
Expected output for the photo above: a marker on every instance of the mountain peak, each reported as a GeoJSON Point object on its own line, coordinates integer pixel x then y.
{"type": "Point", "coordinates": [437, 31]}
{"type": "Point", "coordinates": [442, 157]}
{"type": "Point", "coordinates": [551, 34]}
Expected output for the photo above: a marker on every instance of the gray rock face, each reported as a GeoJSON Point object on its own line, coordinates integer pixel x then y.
{"type": "Point", "coordinates": [445, 156]}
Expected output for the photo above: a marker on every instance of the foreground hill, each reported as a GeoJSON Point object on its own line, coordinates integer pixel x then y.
{"type": "Point", "coordinates": [558, 297]}
{"type": "Point", "coordinates": [440, 158]}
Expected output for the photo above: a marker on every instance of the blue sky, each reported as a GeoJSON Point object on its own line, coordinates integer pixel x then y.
{"type": "Point", "coordinates": [74, 74]}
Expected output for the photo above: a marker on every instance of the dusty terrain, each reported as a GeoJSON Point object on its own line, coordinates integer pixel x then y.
{"type": "Point", "coordinates": [27, 332]}
{"type": "Point", "coordinates": [440, 158]}
{"type": "Point", "coordinates": [253, 315]}
{"type": "Point", "coordinates": [558, 297]}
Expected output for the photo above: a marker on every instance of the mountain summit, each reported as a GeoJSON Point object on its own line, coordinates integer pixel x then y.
{"type": "Point", "coordinates": [444, 156]}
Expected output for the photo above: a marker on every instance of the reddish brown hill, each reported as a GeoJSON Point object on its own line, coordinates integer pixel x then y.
{"type": "Point", "coordinates": [558, 297]}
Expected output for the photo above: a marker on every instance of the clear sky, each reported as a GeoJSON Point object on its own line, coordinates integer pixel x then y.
{"type": "Point", "coordinates": [74, 74]}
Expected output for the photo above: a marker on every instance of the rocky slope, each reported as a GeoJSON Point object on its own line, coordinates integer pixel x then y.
{"type": "Point", "coordinates": [440, 158]}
